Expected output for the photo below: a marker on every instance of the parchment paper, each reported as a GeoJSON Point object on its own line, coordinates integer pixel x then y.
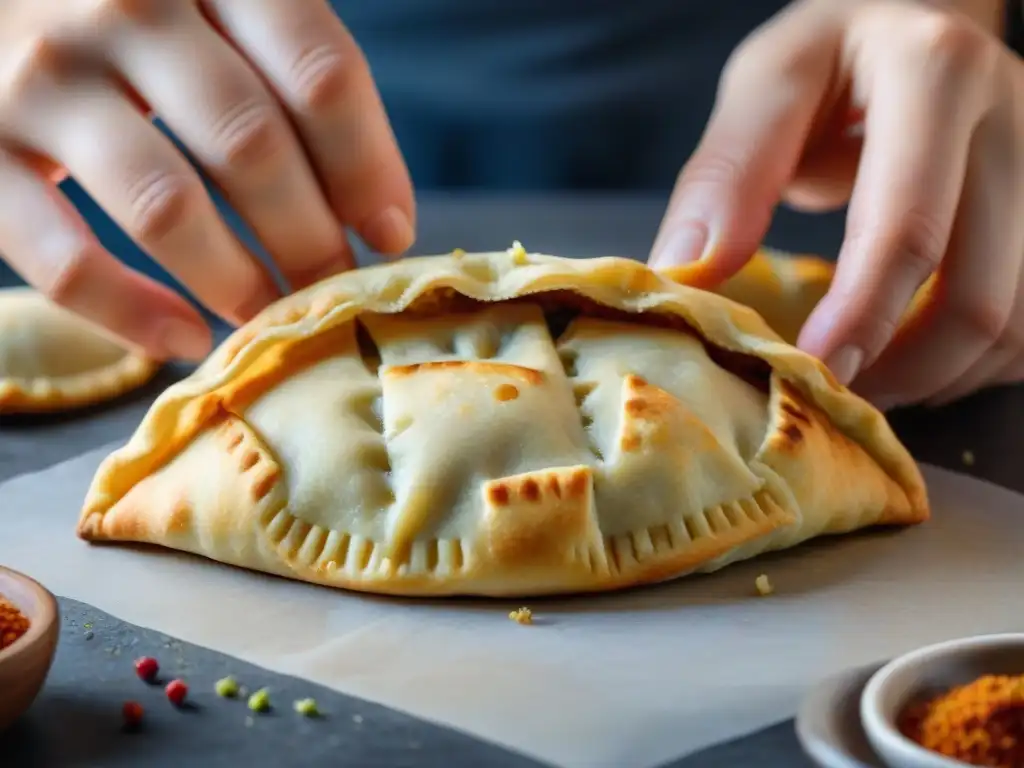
{"type": "Point", "coordinates": [630, 679]}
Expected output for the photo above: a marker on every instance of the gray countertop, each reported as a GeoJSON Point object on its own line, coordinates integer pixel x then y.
{"type": "Point", "coordinates": [76, 721]}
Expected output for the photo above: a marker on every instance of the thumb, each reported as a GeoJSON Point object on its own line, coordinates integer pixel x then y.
{"type": "Point", "coordinates": [769, 97]}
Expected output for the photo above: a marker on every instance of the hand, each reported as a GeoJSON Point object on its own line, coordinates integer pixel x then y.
{"type": "Point", "coordinates": [934, 181]}
{"type": "Point", "coordinates": [273, 99]}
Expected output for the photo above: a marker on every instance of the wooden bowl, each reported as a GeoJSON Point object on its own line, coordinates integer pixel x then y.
{"type": "Point", "coordinates": [25, 664]}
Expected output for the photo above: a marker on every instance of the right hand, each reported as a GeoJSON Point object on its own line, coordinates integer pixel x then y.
{"type": "Point", "coordinates": [273, 99]}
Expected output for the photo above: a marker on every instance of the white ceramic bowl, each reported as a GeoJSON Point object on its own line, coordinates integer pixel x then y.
{"type": "Point", "coordinates": [935, 668]}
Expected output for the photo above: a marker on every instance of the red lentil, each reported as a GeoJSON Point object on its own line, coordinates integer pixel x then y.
{"type": "Point", "coordinates": [13, 623]}
{"type": "Point", "coordinates": [980, 724]}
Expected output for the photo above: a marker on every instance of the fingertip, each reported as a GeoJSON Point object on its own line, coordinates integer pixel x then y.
{"type": "Point", "coordinates": [680, 244]}
{"type": "Point", "coordinates": [389, 232]}
{"type": "Point", "coordinates": [180, 339]}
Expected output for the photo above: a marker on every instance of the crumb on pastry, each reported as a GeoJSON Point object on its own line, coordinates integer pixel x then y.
{"type": "Point", "coordinates": [518, 253]}
{"type": "Point", "coordinates": [763, 585]}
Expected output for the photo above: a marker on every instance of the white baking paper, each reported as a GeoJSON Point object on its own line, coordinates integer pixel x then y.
{"type": "Point", "coordinates": [629, 679]}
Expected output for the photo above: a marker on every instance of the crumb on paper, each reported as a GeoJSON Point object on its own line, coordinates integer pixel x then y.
{"type": "Point", "coordinates": [260, 701]}
{"type": "Point", "coordinates": [968, 458]}
{"type": "Point", "coordinates": [764, 585]}
{"type": "Point", "coordinates": [521, 616]}
{"type": "Point", "coordinates": [307, 708]}
{"type": "Point", "coordinates": [227, 687]}
{"type": "Point", "coordinates": [518, 253]}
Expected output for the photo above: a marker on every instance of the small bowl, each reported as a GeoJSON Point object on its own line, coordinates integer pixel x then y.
{"type": "Point", "coordinates": [935, 668]}
{"type": "Point", "coordinates": [25, 664]}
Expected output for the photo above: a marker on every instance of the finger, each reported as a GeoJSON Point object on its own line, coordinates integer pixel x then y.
{"type": "Point", "coordinates": [234, 127]}
{"type": "Point", "coordinates": [994, 364]}
{"type": "Point", "coordinates": [1013, 373]}
{"type": "Point", "coordinates": [768, 99]}
{"type": "Point", "coordinates": [141, 180]}
{"type": "Point", "coordinates": [318, 71]}
{"type": "Point", "coordinates": [824, 180]}
{"type": "Point", "coordinates": [923, 109]}
{"type": "Point", "coordinates": [965, 326]}
{"type": "Point", "coordinates": [47, 243]}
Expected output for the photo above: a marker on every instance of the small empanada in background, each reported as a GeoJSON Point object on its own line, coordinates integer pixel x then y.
{"type": "Point", "coordinates": [503, 424]}
{"type": "Point", "coordinates": [52, 360]}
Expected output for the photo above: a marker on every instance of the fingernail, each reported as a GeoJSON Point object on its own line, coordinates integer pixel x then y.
{"type": "Point", "coordinates": [682, 245]}
{"type": "Point", "coordinates": [390, 231]}
{"type": "Point", "coordinates": [845, 363]}
{"type": "Point", "coordinates": [184, 340]}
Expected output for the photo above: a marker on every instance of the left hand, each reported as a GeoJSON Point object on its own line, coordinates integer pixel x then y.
{"type": "Point", "coordinates": [935, 187]}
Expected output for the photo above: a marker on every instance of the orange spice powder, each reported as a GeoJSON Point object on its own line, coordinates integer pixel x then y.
{"type": "Point", "coordinates": [980, 724]}
{"type": "Point", "coordinates": [13, 623]}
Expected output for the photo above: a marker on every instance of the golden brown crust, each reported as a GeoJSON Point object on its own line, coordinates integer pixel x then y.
{"type": "Point", "coordinates": [474, 453]}
{"type": "Point", "coordinates": [51, 360]}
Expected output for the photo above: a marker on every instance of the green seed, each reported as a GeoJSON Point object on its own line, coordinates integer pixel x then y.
{"type": "Point", "coordinates": [307, 707]}
{"type": "Point", "coordinates": [227, 687]}
{"type": "Point", "coordinates": [260, 701]}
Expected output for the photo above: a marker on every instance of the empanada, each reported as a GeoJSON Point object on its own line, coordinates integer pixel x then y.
{"type": "Point", "coordinates": [53, 360]}
{"type": "Point", "coordinates": [782, 288]}
{"type": "Point", "coordinates": [502, 424]}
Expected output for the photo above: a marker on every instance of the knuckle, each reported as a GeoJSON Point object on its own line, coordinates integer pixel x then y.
{"type": "Point", "coordinates": [950, 42]}
{"type": "Point", "coordinates": [135, 10]}
{"type": "Point", "coordinates": [711, 167]}
{"type": "Point", "coordinates": [872, 330]}
{"type": "Point", "coordinates": [36, 61]}
{"type": "Point", "coordinates": [921, 243]}
{"type": "Point", "coordinates": [323, 76]}
{"type": "Point", "coordinates": [982, 318]}
{"type": "Point", "coordinates": [71, 276]}
{"type": "Point", "coordinates": [248, 134]}
{"type": "Point", "coordinates": [161, 204]}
